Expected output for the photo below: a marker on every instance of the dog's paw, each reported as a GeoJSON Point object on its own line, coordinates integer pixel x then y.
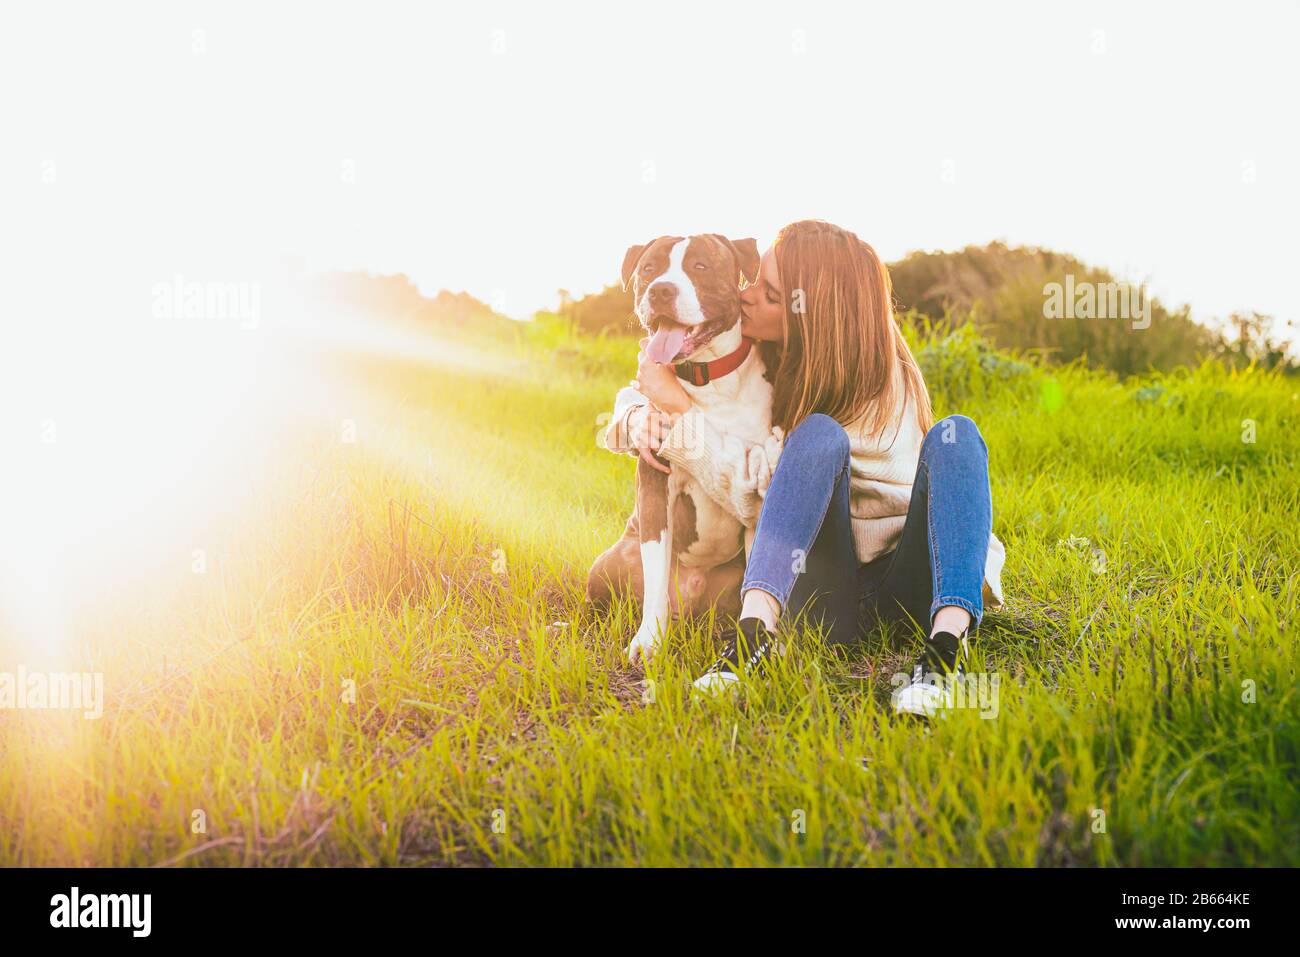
{"type": "Point", "coordinates": [643, 646]}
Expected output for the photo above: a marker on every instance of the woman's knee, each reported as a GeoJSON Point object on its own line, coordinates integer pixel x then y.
{"type": "Point", "coordinates": [818, 435]}
{"type": "Point", "coordinates": [955, 436]}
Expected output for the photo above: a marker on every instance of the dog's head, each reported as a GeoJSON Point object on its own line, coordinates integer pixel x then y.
{"type": "Point", "coordinates": [687, 289]}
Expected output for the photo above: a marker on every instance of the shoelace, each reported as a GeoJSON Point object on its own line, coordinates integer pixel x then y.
{"type": "Point", "coordinates": [732, 653]}
{"type": "Point", "coordinates": [759, 654]}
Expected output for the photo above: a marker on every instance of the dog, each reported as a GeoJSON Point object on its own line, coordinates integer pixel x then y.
{"type": "Point", "coordinates": [681, 551]}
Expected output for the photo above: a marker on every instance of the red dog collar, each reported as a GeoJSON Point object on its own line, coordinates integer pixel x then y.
{"type": "Point", "coordinates": [702, 373]}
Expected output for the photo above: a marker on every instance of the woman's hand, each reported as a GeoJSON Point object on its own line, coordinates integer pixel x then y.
{"type": "Point", "coordinates": [646, 428]}
{"type": "Point", "coordinates": [659, 383]}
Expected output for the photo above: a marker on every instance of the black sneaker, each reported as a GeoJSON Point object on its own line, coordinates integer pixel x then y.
{"type": "Point", "coordinates": [749, 649]}
{"type": "Point", "coordinates": [933, 678]}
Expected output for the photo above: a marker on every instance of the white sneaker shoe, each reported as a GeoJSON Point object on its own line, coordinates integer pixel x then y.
{"type": "Point", "coordinates": [751, 647]}
{"type": "Point", "coordinates": [930, 692]}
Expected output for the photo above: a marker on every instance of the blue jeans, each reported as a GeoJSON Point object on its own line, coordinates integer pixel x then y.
{"type": "Point", "coordinates": [803, 552]}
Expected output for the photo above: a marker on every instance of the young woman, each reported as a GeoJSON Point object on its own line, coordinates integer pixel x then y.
{"type": "Point", "coordinates": [872, 509]}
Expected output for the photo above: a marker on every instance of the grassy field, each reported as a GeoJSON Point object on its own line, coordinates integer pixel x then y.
{"type": "Point", "coordinates": [387, 660]}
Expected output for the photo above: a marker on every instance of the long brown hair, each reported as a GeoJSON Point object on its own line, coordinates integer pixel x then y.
{"type": "Point", "coordinates": [843, 354]}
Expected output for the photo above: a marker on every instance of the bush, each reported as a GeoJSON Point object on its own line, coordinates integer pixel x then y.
{"type": "Point", "coordinates": [1002, 291]}
{"type": "Point", "coordinates": [958, 364]}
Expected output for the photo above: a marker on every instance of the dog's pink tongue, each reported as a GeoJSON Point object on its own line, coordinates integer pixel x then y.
{"type": "Point", "coordinates": [665, 345]}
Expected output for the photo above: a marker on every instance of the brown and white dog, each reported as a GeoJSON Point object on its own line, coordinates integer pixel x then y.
{"type": "Point", "coordinates": [681, 551]}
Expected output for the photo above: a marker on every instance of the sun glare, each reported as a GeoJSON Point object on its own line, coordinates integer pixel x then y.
{"type": "Point", "coordinates": [145, 443]}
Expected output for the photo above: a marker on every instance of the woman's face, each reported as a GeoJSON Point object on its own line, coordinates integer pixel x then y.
{"type": "Point", "coordinates": [762, 307]}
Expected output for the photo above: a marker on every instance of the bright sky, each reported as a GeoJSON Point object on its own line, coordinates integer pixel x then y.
{"type": "Point", "coordinates": [513, 148]}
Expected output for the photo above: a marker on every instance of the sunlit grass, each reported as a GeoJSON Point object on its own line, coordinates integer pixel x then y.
{"type": "Point", "coordinates": [388, 660]}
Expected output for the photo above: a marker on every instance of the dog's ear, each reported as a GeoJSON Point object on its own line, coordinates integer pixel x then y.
{"type": "Point", "coordinates": [746, 253]}
{"type": "Point", "coordinates": [630, 259]}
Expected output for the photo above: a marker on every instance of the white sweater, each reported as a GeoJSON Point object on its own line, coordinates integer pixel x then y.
{"type": "Point", "coordinates": [736, 473]}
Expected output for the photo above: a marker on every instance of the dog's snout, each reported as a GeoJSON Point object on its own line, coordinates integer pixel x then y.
{"type": "Point", "coordinates": [663, 294]}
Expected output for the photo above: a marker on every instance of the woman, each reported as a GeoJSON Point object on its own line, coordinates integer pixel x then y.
{"type": "Point", "coordinates": [871, 509]}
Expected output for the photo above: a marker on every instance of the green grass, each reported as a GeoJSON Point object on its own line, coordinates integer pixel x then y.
{"type": "Point", "coordinates": [389, 661]}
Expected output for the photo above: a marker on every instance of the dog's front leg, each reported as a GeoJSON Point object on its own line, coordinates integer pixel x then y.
{"type": "Point", "coordinates": [656, 557]}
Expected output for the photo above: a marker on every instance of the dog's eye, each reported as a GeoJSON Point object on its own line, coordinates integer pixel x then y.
{"type": "Point", "coordinates": [647, 267]}
{"type": "Point", "coordinates": [701, 266]}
